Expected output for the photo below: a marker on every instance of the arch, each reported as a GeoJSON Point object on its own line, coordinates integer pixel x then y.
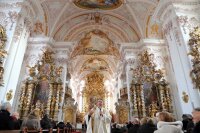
{"type": "Point", "coordinates": [85, 14]}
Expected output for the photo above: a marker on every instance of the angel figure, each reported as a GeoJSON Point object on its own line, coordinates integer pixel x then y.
{"type": "Point", "coordinates": [32, 70]}
{"type": "Point", "coordinates": [59, 70]}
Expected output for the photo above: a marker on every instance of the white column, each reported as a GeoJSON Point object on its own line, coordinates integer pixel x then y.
{"type": "Point", "coordinates": [181, 67]}
{"type": "Point", "coordinates": [173, 17]}
{"type": "Point", "coordinates": [18, 34]}
{"type": "Point", "coordinates": [128, 82]}
{"type": "Point", "coordinates": [61, 60]}
{"type": "Point", "coordinates": [15, 62]}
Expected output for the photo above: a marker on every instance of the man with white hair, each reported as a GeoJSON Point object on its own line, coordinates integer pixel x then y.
{"type": "Point", "coordinates": [6, 122]}
{"type": "Point", "coordinates": [98, 119]}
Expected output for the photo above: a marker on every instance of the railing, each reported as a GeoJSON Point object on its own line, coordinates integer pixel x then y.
{"type": "Point", "coordinates": [58, 130]}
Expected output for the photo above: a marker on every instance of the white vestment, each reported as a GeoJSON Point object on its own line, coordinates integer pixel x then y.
{"type": "Point", "coordinates": [97, 123]}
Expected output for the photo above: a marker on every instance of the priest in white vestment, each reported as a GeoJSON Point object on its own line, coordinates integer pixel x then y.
{"type": "Point", "coordinates": [98, 119]}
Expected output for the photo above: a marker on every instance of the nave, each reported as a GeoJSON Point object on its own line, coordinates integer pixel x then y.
{"type": "Point", "coordinates": [112, 65]}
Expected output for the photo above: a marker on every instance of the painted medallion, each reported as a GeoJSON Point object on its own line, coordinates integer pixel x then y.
{"type": "Point", "coordinates": [98, 4]}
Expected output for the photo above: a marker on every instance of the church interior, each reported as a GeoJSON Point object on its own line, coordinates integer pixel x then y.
{"type": "Point", "coordinates": [139, 57]}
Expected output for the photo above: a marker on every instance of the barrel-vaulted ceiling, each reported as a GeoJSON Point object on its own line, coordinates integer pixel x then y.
{"type": "Point", "coordinates": [96, 29]}
{"type": "Point", "coordinates": [68, 20]}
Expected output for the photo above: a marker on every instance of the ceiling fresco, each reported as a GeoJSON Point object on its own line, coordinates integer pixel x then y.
{"type": "Point", "coordinates": [95, 43]}
{"type": "Point", "coordinates": [98, 4]}
{"type": "Point", "coordinates": [95, 64]}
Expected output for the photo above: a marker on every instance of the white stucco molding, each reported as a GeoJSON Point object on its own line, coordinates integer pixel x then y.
{"type": "Point", "coordinates": [41, 40]}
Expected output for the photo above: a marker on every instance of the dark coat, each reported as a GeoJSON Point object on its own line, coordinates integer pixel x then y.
{"type": "Point", "coordinates": [116, 130]}
{"type": "Point", "coordinates": [45, 122]}
{"type": "Point", "coordinates": [6, 122]}
{"type": "Point", "coordinates": [61, 125]}
{"type": "Point", "coordinates": [185, 123]}
{"type": "Point", "coordinates": [190, 127]}
{"type": "Point", "coordinates": [196, 128]}
{"type": "Point", "coordinates": [147, 128]}
{"type": "Point", "coordinates": [129, 125]}
{"type": "Point", "coordinates": [134, 128]}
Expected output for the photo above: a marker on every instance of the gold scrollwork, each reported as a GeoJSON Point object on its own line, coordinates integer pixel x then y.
{"type": "Point", "coordinates": [149, 81]}
{"type": "Point", "coordinates": [194, 44]}
{"type": "Point", "coordinates": [9, 95]}
{"type": "Point", "coordinates": [43, 88]}
{"type": "Point", "coordinates": [3, 53]}
{"type": "Point", "coordinates": [93, 90]}
{"type": "Point", "coordinates": [185, 97]}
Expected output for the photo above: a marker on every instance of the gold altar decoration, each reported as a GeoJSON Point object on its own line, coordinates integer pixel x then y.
{"type": "Point", "coordinates": [124, 93]}
{"type": "Point", "coordinates": [122, 110]}
{"type": "Point", "coordinates": [138, 100]}
{"type": "Point", "coordinates": [149, 90]}
{"type": "Point", "coordinates": [79, 117]}
{"type": "Point", "coordinates": [94, 90]}
{"type": "Point", "coordinates": [185, 97]}
{"type": "Point", "coordinates": [194, 44]}
{"type": "Point", "coordinates": [9, 95]}
{"type": "Point", "coordinates": [43, 88]}
{"type": "Point", "coordinates": [69, 107]}
{"type": "Point", "coordinates": [69, 110]}
{"type": "Point", "coordinates": [3, 53]}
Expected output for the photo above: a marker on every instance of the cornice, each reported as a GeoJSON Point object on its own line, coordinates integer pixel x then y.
{"type": "Point", "coordinates": [41, 40]}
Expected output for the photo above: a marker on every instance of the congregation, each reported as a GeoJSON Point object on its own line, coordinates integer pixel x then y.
{"type": "Point", "coordinates": [164, 122]}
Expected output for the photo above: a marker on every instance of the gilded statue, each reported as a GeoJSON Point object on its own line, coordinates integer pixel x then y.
{"type": "Point", "coordinates": [59, 71]}
{"type": "Point", "coordinates": [32, 70]}
{"type": "Point", "coordinates": [47, 56]}
{"type": "Point", "coordinates": [153, 109]}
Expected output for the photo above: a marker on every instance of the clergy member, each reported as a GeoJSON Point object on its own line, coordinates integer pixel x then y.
{"type": "Point", "coordinates": [98, 119]}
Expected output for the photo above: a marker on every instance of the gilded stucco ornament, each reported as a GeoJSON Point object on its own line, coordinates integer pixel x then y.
{"type": "Point", "coordinates": [9, 95]}
{"type": "Point", "coordinates": [149, 89]}
{"type": "Point", "coordinates": [194, 44]}
{"type": "Point", "coordinates": [42, 89]}
{"type": "Point", "coordinates": [3, 53]}
{"type": "Point", "coordinates": [185, 97]}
